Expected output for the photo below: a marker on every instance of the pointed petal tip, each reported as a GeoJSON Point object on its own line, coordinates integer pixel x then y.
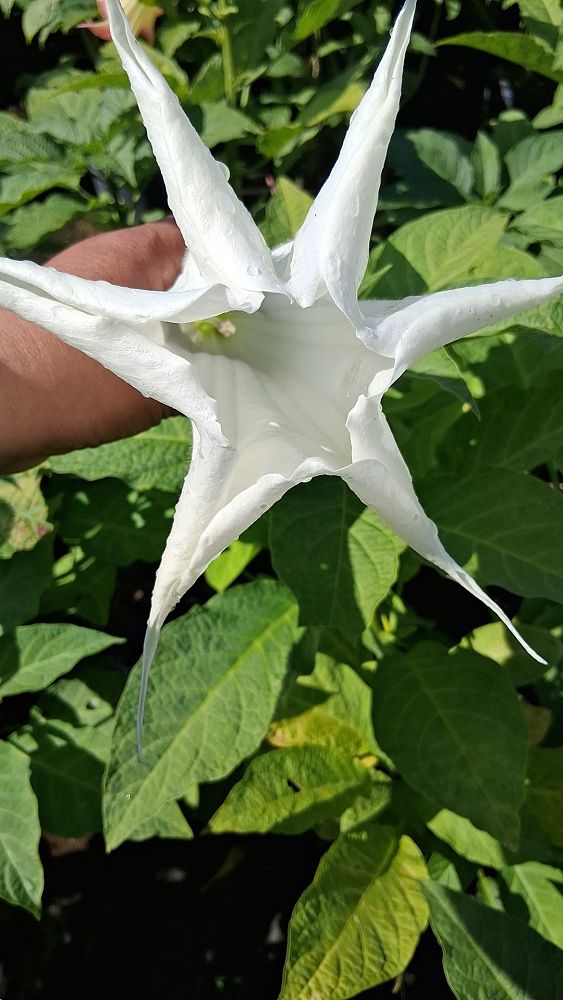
{"type": "Point", "coordinates": [152, 636]}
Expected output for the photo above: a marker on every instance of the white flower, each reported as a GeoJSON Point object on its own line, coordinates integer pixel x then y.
{"type": "Point", "coordinates": [294, 390]}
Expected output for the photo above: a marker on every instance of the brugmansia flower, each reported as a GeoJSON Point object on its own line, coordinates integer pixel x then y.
{"type": "Point", "coordinates": [270, 354]}
{"type": "Point", "coordinates": [141, 19]}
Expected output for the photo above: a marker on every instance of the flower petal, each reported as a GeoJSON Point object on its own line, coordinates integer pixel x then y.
{"type": "Point", "coordinates": [134, 352]}
{"type": "Point", "coordinates": [219, 230]}
{"type": "Point", "coordinates": [406, 331]}
{"type": "Point", "coordinates": [100, 298]}
{"type": "Point", "coordinates": [380, 478]}
{"type": "Point", "coordinates": [331, 248]}
{"type": "Point", "coordinates": [226, 490]}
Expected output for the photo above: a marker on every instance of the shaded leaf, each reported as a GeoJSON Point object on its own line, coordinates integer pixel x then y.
{"type": "Point", "coordinates": [338, 557]}
{"type": "Point", "coordinates": [454, 728]}
{"type": "Point", "coordinates": [481, 524]}
{"type": "Point", "coordinates": [488, 954]}
{"type": "Point", "coordinates": [533, 884]}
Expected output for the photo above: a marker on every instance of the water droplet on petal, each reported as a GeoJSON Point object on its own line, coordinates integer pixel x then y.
{"type": "Point", "coordinates": [253, 271]}
{"type": "Point", "coordinates": [263, 506]}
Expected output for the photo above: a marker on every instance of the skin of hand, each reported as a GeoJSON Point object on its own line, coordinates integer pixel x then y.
{"type": "Point", "coordinates": [53, 398]}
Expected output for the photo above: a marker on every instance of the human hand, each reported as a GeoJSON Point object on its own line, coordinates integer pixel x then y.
{"type": "Point", "coordinates": [53, 398]}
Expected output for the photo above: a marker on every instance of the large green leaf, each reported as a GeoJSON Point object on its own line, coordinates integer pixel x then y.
{"type": "Point", "coordinates": [533, 884]}
{"type": "Point", "coordinates": [337, 556]}
{"type": "Point", "coordinates": [155, 459]}
{"type": "Point", "coordinates": [115, 524]}
{"type": "Point", "coordinates": [290, 791]}
{"type": "Point", "coordinates": [454, 728]}
{"type": "Point", "coordinates": [545, 790]}
{"type": "Point", "coordinates": [489, 955]}
{"type": "Point", "coordinates": [481, 516]}
{"type": "Point", "coordinates": [521, 49]}
{"type": "Point", "coordinates": [359, 922]}
{"type": "Point", "coordinates": [21, 874]}
{"type": "Point", "coordinates": [216, 679]}
{"type": "Point", "coordinates": [35, 655]}
{"type": "Point", "coordinates": [23, 514]}
{"type": "Point", "coordinates": [329, 707]}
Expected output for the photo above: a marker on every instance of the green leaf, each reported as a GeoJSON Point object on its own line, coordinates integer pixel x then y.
{"type": "Point", "coordinates": [23, 514]}
{"type": "Point", "coordinates": [23, 185]}
{"type": "Point", "coordinates": [545, 790]}
{"type": "Point", "coordinates": [21, 874]}
{"type": "Point", "coordinates": [479, 847]}
{"type": "Point", "coordinates": [285, 212]}
{"type": "Point", "coordinates": [439, 250]}
{"type": "Point", "coordinates": [487, 950]}
{"type": "Point", "coordinates": [115, 524]}
{"type": "Point", "coordinates": [531, 165]}
{"type": "Point", "coordinates": [487, 167]}
{"type": "Point", "coordinates": [80, 585]}
{"type": "Point", "coordinates": [521, 49]}
{"type": "Point", "coordinates": [329, 707]}
{"type": "Point", "coordinates": [35, 655]}
{"type": "Point", "coordinates": [67, 765]}
{"type": "Point", "coordinates": [253, 31]}
{"type": "Point", "coordinates": [517, 430]}
{"type": "Point", "coordinates": [43, 17]}
{"type": "Point", "coordinates": [155, 459]}
{"type": "Point", "coordinates": [543, 222]}
{"type": "Point", "coordinates": [19, 144]}
{"type": "Point", "coordinates": [223, 124]}
{"type": "Point", "coordinates": [533, 884]}
{"type": "Point", "coordinates": [454, 728]}
{"type": "Point", "coordinates": [337, 556]}
{"type": "Point", "coordinates": [214, 686]}
{"type": "Point", "coordinates": [359, 922]}
{"type": "Point", "coordinates": [28, 225]}
{"type": "Point", "coordinates": [314, 14]}
{"type": "Point", "coordinates": [495, 641]}
{"type": "Point", "coordinates": [169, 824]}
{"type": "Point", "coordinates": [228, 566]}
{"type": "Point", "coordinates": [86, 699]}
{"type": "Point", "coordinates": [438, 162]}
{"type": "Point", "coordinates": [481, 524]}
{"type": "Point", "coordinates": [22, 579]}
{"type": "Point", "coordinates": [290, 791]}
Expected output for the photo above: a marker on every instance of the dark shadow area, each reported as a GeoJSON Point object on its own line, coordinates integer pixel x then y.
{"type": "Point", "coordinates": [195, 921]}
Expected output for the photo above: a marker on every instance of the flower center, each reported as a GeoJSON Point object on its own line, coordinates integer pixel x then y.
{"type": "Point", "coordinates": [203, 331]}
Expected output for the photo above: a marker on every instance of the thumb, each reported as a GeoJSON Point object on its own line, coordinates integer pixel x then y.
{"type": "Point", "coordinates": [147, 256]}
